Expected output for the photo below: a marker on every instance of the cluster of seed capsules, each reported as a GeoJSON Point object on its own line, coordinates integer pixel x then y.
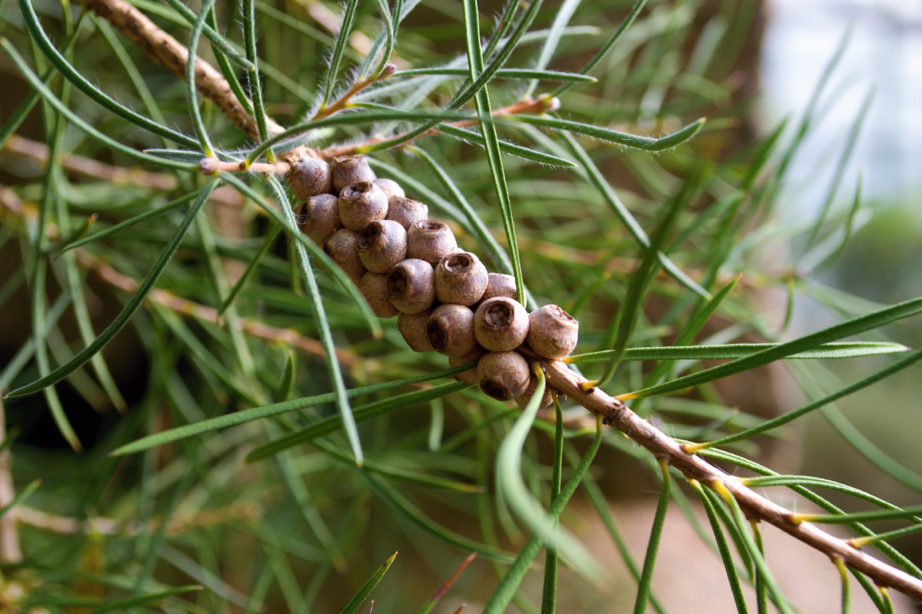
{"type": "Point", "coordinates": [409, 266]}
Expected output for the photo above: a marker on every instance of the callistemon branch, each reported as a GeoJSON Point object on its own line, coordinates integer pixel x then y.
{"type": "Point", "coordinates": [172, 55]}
{"type": "Point", "coordinates": [395, 282]}
{"type": "Point", "coordinates": [694, 467]}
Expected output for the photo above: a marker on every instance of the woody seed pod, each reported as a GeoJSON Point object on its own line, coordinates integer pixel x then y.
{"type": "Point", "coordinates": [469, 376]}
{"type": "Point", "coordinates": [451, 330]}
{"type": "Point", "coordinates": [382, 244]}
{"type": "Point", "coordinates": [350, 169]}
{"type": "Point", "coordinates": [341, 247]}
{"type": "Point", "coordinates": [429, 240]}
{"type": "Point", "coordinates": [501, 324]}
{"type": "Point", "coordinates": [552, 332]}
{"type": "Point", "coordinates": [411, 285]}
{"type": "Point", "coordinates": [499, 284]}
{"type": "Point", "coordinates": [320, 217]}
{"type": "Point", "coordinates": [374, 289]}
{"type": "Point", "coordinates": [360, 203]}
{"type": "Point", "coordinates": [546, 400]}
{"type": "Point", "coordinates": [413, 328]}
{"type": "Point", "coordinates": [391, 188]}
{"type": "Point", "coordinates": [503, 375]}
{"type": "Point", "coordinates": [460, 278]}
{"type": "Point", "coordinates": [407, 212]}
{"type": "Point", "coordinates": [309, 177]}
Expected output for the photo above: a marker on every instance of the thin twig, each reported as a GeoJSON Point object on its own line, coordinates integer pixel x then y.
{"type": "Point", "coordinates": [539, 105]}
{"type": "Point", "coordinates": [169, 53]}
{"type": "Point", "coordinates": [10, 552]}
{"type": "Point", "coordinates": [696, 468]}
{"type": "Point", "coordinates": [204, 313]}
{"type": "Point", "coordinates": [68, 525]}
{"type": "Point", "coordinates": [87, 168]}
{"type": "Point", "coordinates": [343, 101]}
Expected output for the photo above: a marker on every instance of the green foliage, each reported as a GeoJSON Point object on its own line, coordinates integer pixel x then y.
{"type": "Point", "coordinates": [275, 441]}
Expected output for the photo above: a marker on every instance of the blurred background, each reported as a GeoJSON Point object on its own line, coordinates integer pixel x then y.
{"type": "Point", "coordinates": [880, 43]}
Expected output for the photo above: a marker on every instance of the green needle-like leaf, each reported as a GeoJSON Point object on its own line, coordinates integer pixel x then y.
{"type": "Point", "coordinates": [797, 413]}
{"type": "Point", "coordinates": [656, 532]}
{"type": "Point", "coordinates": [198, 124]}
{"type": "Point", "coordinates": [152, 213]}
{"type": "Point", "coordinates": [77, 121]}
{"type": "Point", "coordinates": [74, 76]}
{"type": "Point", "coordinates": [851, 327]}
{"type": "Point", "coordinates": [502, 73]}
{"type": "Point", "coordinates": [491, 141]}
{"type": "Point", "coordinates": [510, 148]}
{"type": "Point", "coordinates": [392, 497]}
{"type": "Point", "coordinates": [644, 143]}
{"type": "Point", "coordinates": [248, 415]}
{"type": "Point", "coordinates": [369, 586]}
{"type": "Point", "coordinates": [725, 556]}
{"type": "Point", "coordinates": [905, 513]}
{"type": "Point", "coordinates": [551, 557]}
{"type": "Point", "coordinates": [268, 242]}
{"type": "Point", "coordinates": [323, 324]}
{"type": "Point", "coordinates": [298, 237]}
{"type": "Point", "coordinates": [594, 176]}
{"type": "Point", "coordinates": [360, 414]}
{"type": "Point", "coordinates": [631, 16]}
{"type": "Point", "coordinates": [846, 349]}
{"type": "Point", "coordinates": [515, 492]}
{"type": "Point", "coordinates": [130, 308]}
{"type": "Point", "coordinates": [21, 496]}
{"type": "Point", "coordinates": [508, 586]}
{"type": "Point", "coordinates": [339, 48]}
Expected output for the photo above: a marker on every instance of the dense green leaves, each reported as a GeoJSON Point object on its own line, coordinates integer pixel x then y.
{"type": "Point", "coordinates": [130, 308]}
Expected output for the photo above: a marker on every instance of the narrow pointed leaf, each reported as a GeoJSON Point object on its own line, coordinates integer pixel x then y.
{"type": "Point", "coordinates": [851, 327]}
{"type": "Point", "coordinates": [369, 586]}
{"type": "Point", "coordinates": [509, 585]}
{"type": "Point", "coordinates": [248, 415]}
{"type": "Point", "coordinates": [644, 143]}
{"type": "Point", "coordinates": [507, 147]}
{"type": "Point", "coordinates": [360, 414]}
{"type": "Point", "coordinates": [74, 76]}
{"type": "Point", "coordinates": [503, 73]}
{"type": "Point", "coordinates": [845, 349]}
{"type": "Point", "coordinates": [392, 497]}
{"type": "Point", "coordinates": [130, 307]}
{"type": "Point", "coordinates": [491, 140]}
{"type": "Point", "coordinates": [656, 531]}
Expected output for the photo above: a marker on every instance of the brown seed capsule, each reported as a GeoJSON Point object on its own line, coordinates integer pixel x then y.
{"type": "Point", "coordinates": [552, 332]}
{"type": "Point", "coordinates": [500, 324]}
{"type": "Point", "coordinates": [407, 212]}
{"type": "Point", "coordinates": [342, 248]}
{"type": "Point", "coordinates": [469, 376]}
{"type": "Point", "coordinates": [413, 328]}
{"type": "Point", "coordinates": [500, 284]}
{"type": "Point", "coordinates": [391, 188]}
{"type": "Point", "coordinates": [360, 203]}
{"type": "Point", "coordinates": [460, 278]}
{"type": "Point", "coordinates": [429, 240]}
{"type": "Point", "coordinates": [350, 169]}
{"type": "Point", "coordinates": [320, 217]}
{"type": "Point", "coordinates": [503, 375]}
{"type": "Point", "coordinates": [309, 177]}
{"type": "Point", "coordinates": [382, 244]}
{"type": "Point", "coordinates": [411, 285]}
{"type": "Point", "coordinates": [451, 330]}
{"type": "Point", "coordinates": [374, 289]}
{"type": "Point", "coordinates": [546, 400]}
